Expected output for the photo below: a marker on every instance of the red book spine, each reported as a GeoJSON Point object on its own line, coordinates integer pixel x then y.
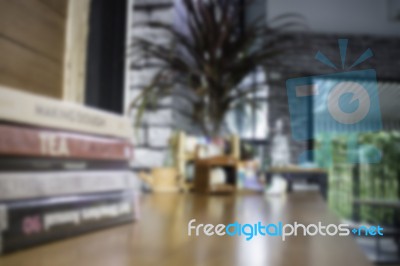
{"type": "Point", "coordinates": [32, 142]}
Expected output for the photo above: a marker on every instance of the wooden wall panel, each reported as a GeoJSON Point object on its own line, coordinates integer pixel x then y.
{"type": "Point", "coordinates": [32, 35]}
{"type": "Point", "coordinates": [25, 70]}
{"type": "Point", "coordinates": [59, 6]}
{"type": "Point", "coordinates": [75, 53]}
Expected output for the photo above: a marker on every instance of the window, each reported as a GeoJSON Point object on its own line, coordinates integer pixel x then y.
{"type": "Point", "coordinates": [249, 120]}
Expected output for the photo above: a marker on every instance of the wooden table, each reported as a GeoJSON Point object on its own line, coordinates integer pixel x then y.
{"type": "Point", "coordinates": [295, 173]}
{"type": "Point", "coordinates": [160, 237]}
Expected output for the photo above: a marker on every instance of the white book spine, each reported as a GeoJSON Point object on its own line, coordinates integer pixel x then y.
{"type": "Point", "coordinates": [24, 185]}
{"type": "Point", "coordinates": [26, 108]}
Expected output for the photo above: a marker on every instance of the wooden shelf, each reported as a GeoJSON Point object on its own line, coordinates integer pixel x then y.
{"type": "Point", "coordinates": [203, 174]}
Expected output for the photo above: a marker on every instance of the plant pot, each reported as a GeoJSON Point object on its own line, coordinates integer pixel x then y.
{"type": "Point", "coordinates": [164, 179]}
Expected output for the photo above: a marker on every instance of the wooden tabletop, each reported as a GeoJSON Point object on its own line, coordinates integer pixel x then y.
{"type": "Point", "coordinates": [218, 161]}
{"type": "Point", "coordinates": [296, 170]}
{"type": "Point", "coordinates": [160, 237]}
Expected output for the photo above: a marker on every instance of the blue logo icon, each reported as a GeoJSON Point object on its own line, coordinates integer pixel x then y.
{"type": "Point", "coordinates": [345, 102]}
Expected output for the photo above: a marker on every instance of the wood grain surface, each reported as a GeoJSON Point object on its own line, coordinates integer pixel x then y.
{"type": "Point", "coordinates": [160, 236]}
{"type": "Point", "coordinates": [32, 45]}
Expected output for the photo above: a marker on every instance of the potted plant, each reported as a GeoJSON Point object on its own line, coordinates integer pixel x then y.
{"type": "Point", "coordinates": [206, 58]}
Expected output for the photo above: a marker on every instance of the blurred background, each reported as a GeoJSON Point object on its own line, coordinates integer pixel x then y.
{"type": "Point", "coordinates": [201, 89]}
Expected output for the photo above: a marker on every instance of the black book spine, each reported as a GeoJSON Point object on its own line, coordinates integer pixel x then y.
{"type": "Point", "coordinates": [32, 222]}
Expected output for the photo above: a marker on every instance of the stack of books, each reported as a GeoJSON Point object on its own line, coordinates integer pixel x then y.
{"type": "Point", "coordinates": [64, 170]}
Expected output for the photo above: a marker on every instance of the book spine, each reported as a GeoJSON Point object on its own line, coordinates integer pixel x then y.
{"type": "Point", "coordinates": [10, 164]}
{"type": "Point", "coordinates": [22, 141]}
{"type": "Point", "coordinates": [26, 108]}
{"type": "Point", "coordinates": [32, 222]}
{"type": "Point", "coordinates": [25, 185]}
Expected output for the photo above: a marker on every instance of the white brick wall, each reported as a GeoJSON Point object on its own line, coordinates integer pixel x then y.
{"type": "Point", "coordinates": [159, 137]}
{"type": "Point", "coordinates": [164, 16]}
{"type": "Point", "coordinates": [156, 128]}
{"type": "Point", "coordinates": [143, 76]}
{"type": "Point", "coordinates": [140, 137]}
{"type": "Point", "coordinates": [148, 158]}
{"type": "Point", "coordinates": [161, 117]}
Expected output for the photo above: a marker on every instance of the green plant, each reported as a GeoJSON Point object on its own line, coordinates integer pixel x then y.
{"type": "Point", "coordinates": [379, 181]}
{"type": "Point", "coordinates": [206, 59]}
